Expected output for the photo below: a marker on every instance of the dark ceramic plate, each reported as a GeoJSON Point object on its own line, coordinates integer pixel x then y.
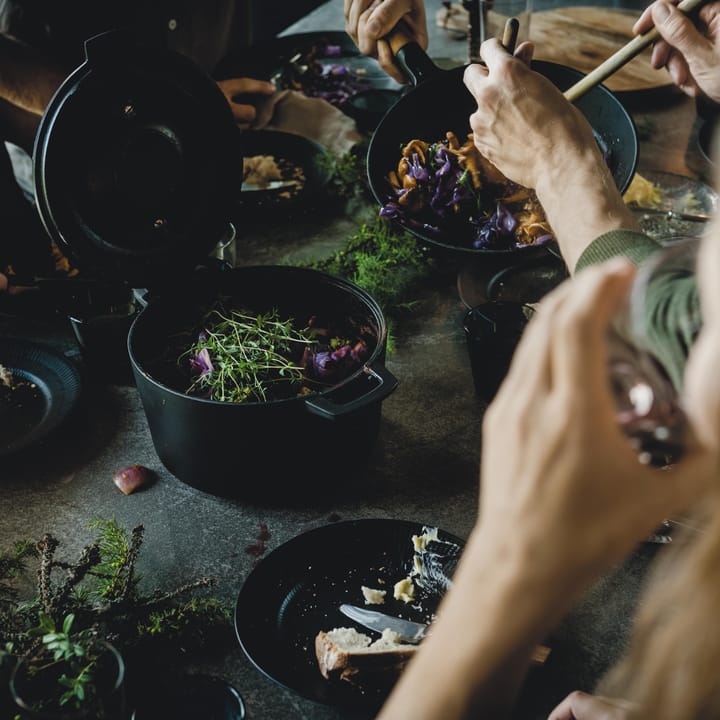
{"type": "Point", "coordinates": [49, 390]}
{"type": "Point", "coordinates": [264, 61]}
{"type": "Point", "coordinates": [292, 153]}
{"type": "Point", "coordinates": [297, 590]}
{"type": "Point", "coordinates": [271, 61]}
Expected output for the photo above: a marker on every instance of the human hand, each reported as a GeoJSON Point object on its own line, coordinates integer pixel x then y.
{"type": "Point", "coordinates": [534, 136]}
{"type": "Point", "coordinates": [518, 108]}
{"type": "Point", "coordinates": [583, 706]}
{"type": "Point", "coordinates": [367, 22]}
{"type": "Point", "coordinates": [240, 94]}
{"type": "Point", "coordinates": [563, 493]}
{"type": "Point", "coordinates": [689, 49]}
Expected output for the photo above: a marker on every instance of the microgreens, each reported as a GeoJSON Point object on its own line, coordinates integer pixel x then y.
{"type": "Point", "coordinates": [238, 355]}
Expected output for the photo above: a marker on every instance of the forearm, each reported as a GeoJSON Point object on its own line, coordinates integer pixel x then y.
{"type": "Point", "coordinates": [478, 651]}
{"type": "Point", "coordinates": [583, 204]}
{"type": "Point", "coordinates": [27, 79]}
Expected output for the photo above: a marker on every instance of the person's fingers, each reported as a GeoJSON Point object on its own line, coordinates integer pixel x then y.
{"type": "Point", "coordinates": [233, 87]}
{"type": "Point", "coordinates": [244, 114]}
{"type": "Point", "coordinates": [645, 21]}
{"type": "Point", "coordinates": [680, 74]}
{"type": "Point", "coordinates": [579, 705]}
{"type": "Point", "coordinates": [385, 16]}
{"type": "Point", "coordinates": [386, 60]}
{"type": "Point", "coordinates": [675, 27]}
{"type": "Point", "coordinates": [525, 51]}
{"type": "Point", "coordinates": [353, 11]}
{"type": "Point", "coordinates": [493, 53]}
{"type": "Point", "coordinates": [3, 283]}
{"type": "Point", "coordinates": [581, 354]}
{"type": "Point", "coordinates": [660, 54]}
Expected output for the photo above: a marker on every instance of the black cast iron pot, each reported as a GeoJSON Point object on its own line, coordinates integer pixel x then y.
{"type": "Point", "coordinates": [439, 102]}
{"type": "Point", "coordinates": [280, 449]}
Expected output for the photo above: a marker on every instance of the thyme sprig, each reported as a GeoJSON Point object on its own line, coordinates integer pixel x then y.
{"type": "Point", "coordinates": [246, 355]}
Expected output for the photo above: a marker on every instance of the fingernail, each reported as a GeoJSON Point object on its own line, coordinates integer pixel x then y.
{"type": "Point", "coordinates": [661, 12]}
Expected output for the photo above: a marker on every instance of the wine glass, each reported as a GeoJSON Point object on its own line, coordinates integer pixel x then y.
{"type": "Point", "coordinates": [649, 409]}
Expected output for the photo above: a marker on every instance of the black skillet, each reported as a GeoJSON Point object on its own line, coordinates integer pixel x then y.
{"type": "Point", "coordinates": [439, 101]}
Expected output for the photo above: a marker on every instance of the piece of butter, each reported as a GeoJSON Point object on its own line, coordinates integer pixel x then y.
{"type": "Point", "coordinates": [373, 596]}
{"type": "Point", "coordinates": [404, 590]}
{"type": "Point", "coordinates": [420, 542]}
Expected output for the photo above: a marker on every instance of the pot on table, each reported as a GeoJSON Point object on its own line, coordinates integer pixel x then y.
{"type": "Point", "coordinates": [137, 170]}
{"type": "Point", "coordinates": [298, 446]}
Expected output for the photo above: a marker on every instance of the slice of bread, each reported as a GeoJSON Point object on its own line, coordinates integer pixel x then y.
{"type": "Point", "coordinates": [349, 655]}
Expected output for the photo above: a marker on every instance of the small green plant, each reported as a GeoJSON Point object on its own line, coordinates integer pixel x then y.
{"type": "Point", "coordinates": [77, 607]}
{"type": "Point", "coordinates": [74, 656]}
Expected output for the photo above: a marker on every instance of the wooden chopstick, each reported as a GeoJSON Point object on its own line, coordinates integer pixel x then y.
{"type": "Point", "coordinates": [510, 33]}
{"type": "Point", "coordinates": [622, 56]}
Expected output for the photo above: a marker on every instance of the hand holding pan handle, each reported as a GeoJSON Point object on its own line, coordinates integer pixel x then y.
{"type": "Point", "coordinates": [416, 63]}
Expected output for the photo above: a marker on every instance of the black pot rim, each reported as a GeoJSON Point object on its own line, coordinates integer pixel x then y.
{"type": "Point", "coordinates": [343, 283]}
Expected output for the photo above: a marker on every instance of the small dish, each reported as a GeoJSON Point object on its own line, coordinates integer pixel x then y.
{"type": "Point", "coordinates": [50, 390]}
{"type": "Point", "coordinates": [676, 193]}
{"type": "Point", "coordinates": [305, 169]}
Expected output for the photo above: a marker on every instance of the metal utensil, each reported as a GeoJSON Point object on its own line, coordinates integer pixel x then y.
{"type": "Point", "coordinates": [618, 59]}
{"type": "Point", "coordinates": [412, 632]}
{"type": "Point", "coordinates": [673, 214]}
{"type": "Point", "coordinates": [407, 631]}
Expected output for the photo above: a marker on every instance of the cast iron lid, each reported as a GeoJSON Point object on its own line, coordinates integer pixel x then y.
{"type": "Point", "coordinates": [136, 162]}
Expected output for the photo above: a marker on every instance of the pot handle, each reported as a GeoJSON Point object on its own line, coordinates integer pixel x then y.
{"type": "Point", "coordinates": [385, 383]}
{"type": "Point", "coordinates": [411, 58]}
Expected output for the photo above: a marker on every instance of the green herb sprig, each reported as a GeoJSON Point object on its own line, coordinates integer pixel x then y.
{"type": "Point", "coordinates": [249, 354]}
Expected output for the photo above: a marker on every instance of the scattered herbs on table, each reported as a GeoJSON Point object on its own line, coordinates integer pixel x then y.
{"type": "Point", "coordinates": [348, 171]}
{"type": "Point", "coordinates": [243, 356]}
{"type": "Point", "coordinates": [387, 263]}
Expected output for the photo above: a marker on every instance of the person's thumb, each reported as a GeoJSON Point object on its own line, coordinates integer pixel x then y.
{"type": "Point", "coordinates": [675, 27]}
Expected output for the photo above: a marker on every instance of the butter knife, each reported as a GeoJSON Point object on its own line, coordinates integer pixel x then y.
{"type": "Point", "coordinates": [411, 632]}
{"type": "Point", "coordinates": [406, 630]}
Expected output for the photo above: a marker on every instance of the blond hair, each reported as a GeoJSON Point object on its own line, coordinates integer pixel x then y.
{"type": "Point", "coordinates": [672, 667]}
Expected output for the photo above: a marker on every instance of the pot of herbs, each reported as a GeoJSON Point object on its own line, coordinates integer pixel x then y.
{"type": "Point", "coordinates": [273, 367]}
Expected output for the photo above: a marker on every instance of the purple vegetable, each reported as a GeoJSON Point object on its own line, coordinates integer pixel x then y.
{"type": "Point", "coordinates": [201, 364]}
{"type": "Point", "coordinates": [497, 230]}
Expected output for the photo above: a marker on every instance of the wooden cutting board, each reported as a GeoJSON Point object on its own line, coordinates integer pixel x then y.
{"type": "Point", "coordinates": [583, 37]}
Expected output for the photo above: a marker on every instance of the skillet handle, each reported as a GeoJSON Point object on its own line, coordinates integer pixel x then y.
{"type": "Point", "coordinates": [385, 383]}
{"type": "Point", "coordinates": [410, 57]}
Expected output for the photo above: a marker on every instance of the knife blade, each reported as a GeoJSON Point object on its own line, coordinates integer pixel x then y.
{"type": "Point", "coordinates": [673, 214]}
{"type": "Point", "coordinates": [406, 630]}
{"type": "Point", "coordinates": [412, 632]}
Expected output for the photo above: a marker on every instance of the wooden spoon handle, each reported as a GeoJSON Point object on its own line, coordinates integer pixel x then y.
{"type": "Point", "coordinates": [622, 56]}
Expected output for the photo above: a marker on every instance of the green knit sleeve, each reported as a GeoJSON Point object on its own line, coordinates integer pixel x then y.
{"type": "Point", "coordinates": [635, 246]}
